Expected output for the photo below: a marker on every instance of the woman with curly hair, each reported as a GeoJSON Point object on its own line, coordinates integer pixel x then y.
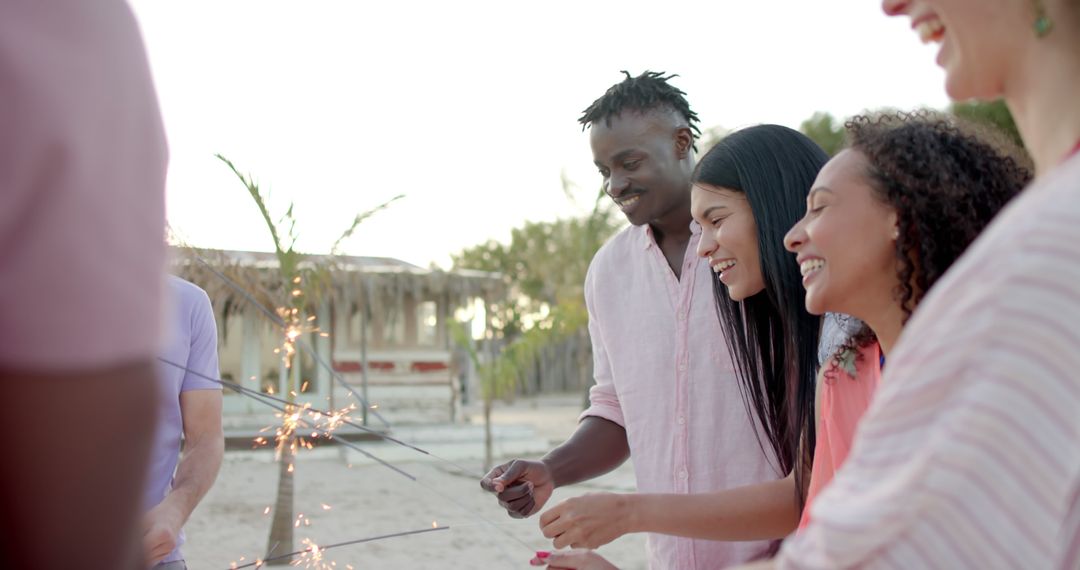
{"type": "Point", "coordinates": [916, 189]}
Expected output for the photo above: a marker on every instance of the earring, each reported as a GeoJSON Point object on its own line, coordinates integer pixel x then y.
{"type": "Point", "coordinates": [1043, 24]}
{"type": "Point", "coordinates": [896, 233]}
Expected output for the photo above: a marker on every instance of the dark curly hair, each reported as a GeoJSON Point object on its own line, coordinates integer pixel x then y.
{"type": "Point", "coordinates": [946, 179]}
{"type": "Point", "coordinates": [647, 91]}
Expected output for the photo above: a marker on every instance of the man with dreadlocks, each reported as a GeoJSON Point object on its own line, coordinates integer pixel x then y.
{"type": "Point", "coordinates": [666, 392]}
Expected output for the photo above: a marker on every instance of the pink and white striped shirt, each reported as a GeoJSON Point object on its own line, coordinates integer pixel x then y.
{"type": "Point", "coordinates": [663, 372]}
{"type": "Point", "coordinates": [969, 456]}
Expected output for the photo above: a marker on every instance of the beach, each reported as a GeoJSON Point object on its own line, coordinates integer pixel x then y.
{"type": "Point", "coordinates": [344, 497]}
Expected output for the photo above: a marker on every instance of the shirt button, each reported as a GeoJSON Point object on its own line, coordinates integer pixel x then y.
{"type": "Point", "coordinates": [682, 366]}
{"type": "Point", "coordinates": [681, 420]}
{"type": "Point", "coordinates": [682, 473]}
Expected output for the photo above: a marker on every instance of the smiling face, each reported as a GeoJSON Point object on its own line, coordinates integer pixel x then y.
{"type": "Point", "coordinates": [845, 245]}
{"type": "Point", "coordinates": [982, 42]}
{"type": "Point", "coordinates": [728, 238]}
{"type": "Point", "coordinates": [643, 158]}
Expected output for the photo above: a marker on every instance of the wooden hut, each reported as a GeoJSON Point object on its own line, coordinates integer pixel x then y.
{"type": "Point", "coordinates": [380, 325]}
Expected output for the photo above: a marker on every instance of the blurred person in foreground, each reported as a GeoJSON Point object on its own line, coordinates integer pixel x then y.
{"type": "Point", "coordinates": [82, 178]}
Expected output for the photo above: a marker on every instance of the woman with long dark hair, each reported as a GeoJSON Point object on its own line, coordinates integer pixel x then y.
{"type": "Point", "coordinates": [748, 190]}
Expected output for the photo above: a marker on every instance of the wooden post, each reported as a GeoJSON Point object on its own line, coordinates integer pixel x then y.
{"type": "Point", "coordinates": [323, 382]}
{"type": "Point", "coordinates": [365, 316]}
{"type": "Point", "coordinates": [250, 362]}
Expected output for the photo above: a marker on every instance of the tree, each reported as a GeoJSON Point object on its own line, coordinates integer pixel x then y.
{"type": "Point", "coordinates": [828, 132]}
{"type": "Point", "coordinates": [994, 114]}
{"type": "Point", "coordinates": [825, 130]}
{"type": "Point", "coordinates": [709, 137]}
{"type": "Point", "coordinates": [499, 374]}
{"type": "Point", "coordinates": [301, 284]}
{"type": "Point", "coordinates": [543, 265]}
{"type": "Point", "coordinates": [544, 268]}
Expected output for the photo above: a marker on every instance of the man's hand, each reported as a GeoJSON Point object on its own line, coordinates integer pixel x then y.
{"type": "Point", "coordinates": [522, 487]}
{"type": "Point", "coordinates": [573, 560]}
{"type": "Point", "coordinates": [161, 530]}
{"type": "Point", "coordinates": [588, 521]}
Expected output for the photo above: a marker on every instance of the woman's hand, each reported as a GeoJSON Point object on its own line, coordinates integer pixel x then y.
{"type": "Point", "coordinates": [588, 521]}
{"type": "Point", "coordinates": [576, 559]}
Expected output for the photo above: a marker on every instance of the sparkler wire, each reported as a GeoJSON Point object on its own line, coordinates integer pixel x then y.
{"type": "Point", "coordinates": [267, 398]}
{"type": "Point", "coordinates": [340, 544]}
{"type": "Point", "coordinates": [271, 401]}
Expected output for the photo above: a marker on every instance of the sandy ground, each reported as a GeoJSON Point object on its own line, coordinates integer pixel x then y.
{"type": "Point", "coordinates": [366, 499]}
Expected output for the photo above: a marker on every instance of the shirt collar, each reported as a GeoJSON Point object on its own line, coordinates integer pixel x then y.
{"type": "Point", "coordinates": [649, 240]}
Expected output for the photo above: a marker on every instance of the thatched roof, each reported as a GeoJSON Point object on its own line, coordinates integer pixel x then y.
{"type": "Point", "coordinates": [383, 278]}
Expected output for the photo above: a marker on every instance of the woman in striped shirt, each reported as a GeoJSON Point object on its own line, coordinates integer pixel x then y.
{"type": "Point", "coordinates": [969, 456]}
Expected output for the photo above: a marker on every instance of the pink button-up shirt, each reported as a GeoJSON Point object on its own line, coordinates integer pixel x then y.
{"type": "Point", "coordinates": [663, 372]}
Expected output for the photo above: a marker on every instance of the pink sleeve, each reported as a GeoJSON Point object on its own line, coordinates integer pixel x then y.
{"type": "Point", "coordinates": [82, 176]}
{"type": "Point", "coordinates": [603, 398]}
{"type": "Point", "coordinates": [844, 400]}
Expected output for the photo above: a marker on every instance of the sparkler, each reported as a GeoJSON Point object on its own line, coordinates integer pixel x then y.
{"type": "Point", "coordinates": [288, 319]}
{"type": "Point", "coordinates": [299, 421]}
{"type": "Point", "coordinates": [313, 548]}
{"type": "Point", "coordinates": [270, 401]}
{"type": "Point", "coordinates": [338, 417]}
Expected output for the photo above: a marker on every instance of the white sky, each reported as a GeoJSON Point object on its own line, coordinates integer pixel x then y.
{"type": "Point", "coordinates": [470, 108]}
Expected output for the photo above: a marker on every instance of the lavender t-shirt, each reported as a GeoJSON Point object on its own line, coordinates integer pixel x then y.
{"type": "Point", "coordinates": [191, 341]}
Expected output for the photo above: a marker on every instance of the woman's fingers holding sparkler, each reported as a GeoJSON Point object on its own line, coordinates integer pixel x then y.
{"type": "Point", "coordinates": [522, 487]}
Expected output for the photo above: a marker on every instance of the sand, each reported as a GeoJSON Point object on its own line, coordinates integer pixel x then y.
{"type": "Point", "coordinates": [366, 499]}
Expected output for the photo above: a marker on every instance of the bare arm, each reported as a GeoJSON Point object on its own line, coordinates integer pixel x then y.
{"type": "Point", "coordinates": [48, 512]}
{"type": "Point", "coordinates": [763, 511]}
{"type": "Point", "coordinates": [204, 447]}
{"type": "Point", "coordinates": [596, 447]}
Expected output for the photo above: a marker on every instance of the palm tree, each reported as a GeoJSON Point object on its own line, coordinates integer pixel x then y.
{"type": "Point", "coordinates": [301, 284]}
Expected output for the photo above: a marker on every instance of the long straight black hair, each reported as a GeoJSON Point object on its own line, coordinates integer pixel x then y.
{"type": "Point", "coordinates": [773, 341]}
